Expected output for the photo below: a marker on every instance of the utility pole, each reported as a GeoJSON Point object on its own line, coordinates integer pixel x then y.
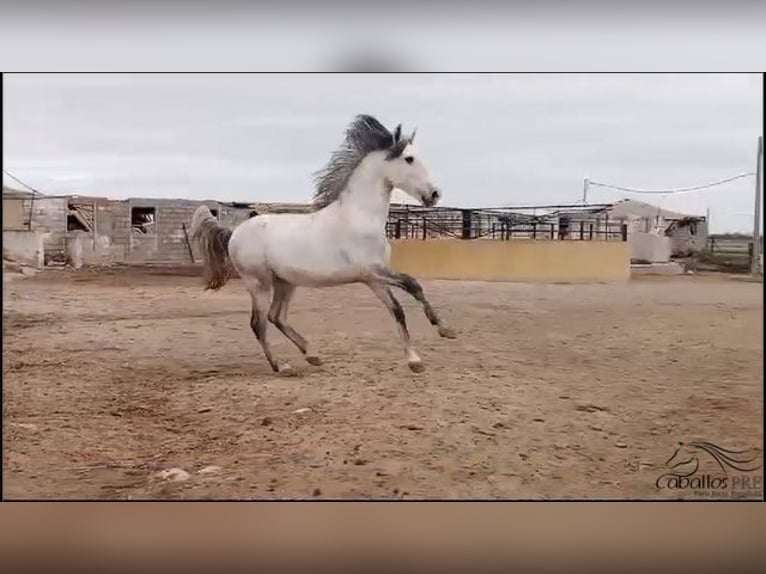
{"type": "Point", "coordinates": [585, 191]}
{"type": "Point", "coordinates": [756, 263]}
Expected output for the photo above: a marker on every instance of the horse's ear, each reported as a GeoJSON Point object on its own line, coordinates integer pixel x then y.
{"type": "Point", "coordinates": [397, 134]}
{"type": "Point", "coordinates": [412, 137]}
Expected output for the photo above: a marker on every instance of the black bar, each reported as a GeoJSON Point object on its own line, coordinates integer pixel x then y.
{"type": "Point", "coordinates": [534, 230]}
{"type": "Point", "coordinates": [624, 230]}
{"type": "Point", "coordinates": [467, 215]}
{"type": "Point", "coordinates": [424, 228]}
{"type": "Point", "coordinates": [582, 230]}
{"type": "Point", "coordinates": [398, 229]}
{"type": "Point", "coordinates": [188, 244]}
{"type": "Point", "coordinates": [590, 233]}
{"type": "Point", "coordinates": [553, 230]}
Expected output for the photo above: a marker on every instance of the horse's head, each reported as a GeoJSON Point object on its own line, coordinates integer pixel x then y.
{"type": "Point", "coordinates": [376, 154]}
{"type": "Point", "coordinates": [684, 460]}
{"type": "Point", "coordinates": [404, 168]}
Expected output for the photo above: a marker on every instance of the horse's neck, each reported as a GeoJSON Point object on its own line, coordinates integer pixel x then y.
{"type": "Point", "coordinates": [365, 201]}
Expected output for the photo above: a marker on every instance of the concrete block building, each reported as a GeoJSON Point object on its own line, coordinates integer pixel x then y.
{"type": "Point", "coordinates": [98, 230]}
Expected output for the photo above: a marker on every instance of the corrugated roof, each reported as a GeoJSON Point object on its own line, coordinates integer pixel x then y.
{"type": "Point", "coordinates": [631, 207]}
{"type": "Point", "coordinates": [12, 192]}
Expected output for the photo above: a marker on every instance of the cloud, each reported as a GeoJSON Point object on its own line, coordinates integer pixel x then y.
{"type": "Point", "coordinates": [488, 139]}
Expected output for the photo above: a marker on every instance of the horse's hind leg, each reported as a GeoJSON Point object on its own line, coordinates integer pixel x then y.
{"type": "Point", "coordinates": [283, 293]}
{"type": "Point", "coordinates": [394, 307]}
{"type": "Point", "coordinates": [259, 293]}
{"type": "Point", "coordinates": [412, 286]}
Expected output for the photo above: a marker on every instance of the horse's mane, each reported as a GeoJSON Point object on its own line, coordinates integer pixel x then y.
{"type": "Point", "coordinates": [742, 460]}
{"type": "Point", "coordinates": [364, 135]}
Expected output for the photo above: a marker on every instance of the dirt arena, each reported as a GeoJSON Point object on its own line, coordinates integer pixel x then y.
{"type": "Point", "coordinates": [550, 391]}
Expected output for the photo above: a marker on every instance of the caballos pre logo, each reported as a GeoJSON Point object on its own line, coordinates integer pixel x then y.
{"type": "Point", "coordinates": [729, 470]}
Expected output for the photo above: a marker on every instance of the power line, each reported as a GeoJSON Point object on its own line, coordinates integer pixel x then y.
{"type": "Point", "coordinates": [677, 190]}
{"type": "Point", "coordinates": [16, 179]}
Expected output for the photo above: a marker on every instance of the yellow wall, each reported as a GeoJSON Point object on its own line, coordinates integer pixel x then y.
{"type": "Point", "coordinates": [516, 260]}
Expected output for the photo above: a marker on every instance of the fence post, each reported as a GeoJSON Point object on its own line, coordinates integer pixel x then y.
{"type": "Point", "coordinates": [624, 230]}
{"type": "Point", "coordinates": [188, 243]}
{"type": "Point", "coordinates": [553, 230]}
{"type": "Point", "coordinates": [590, 232]}
{"type": "Point", "coordinates": [534, 230]}
{"type": "Point", "coordinates": [466, 223]}
{"type": "Point", "coordinates": [398, 229]}
{"type": "Point", "coordinates": [582, 230]}
{"type": "Point", "coordinates": [424, 228]}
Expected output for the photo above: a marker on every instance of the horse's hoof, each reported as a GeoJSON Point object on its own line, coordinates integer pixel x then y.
{"type": "Point", "coordinates": [313, 360]}
{"type": "Point", "coordinates": [416, 366]}
{"type": "Point", "coordinates": [447, 333]}
{"type": "Point", "coordinates": [287, 370]}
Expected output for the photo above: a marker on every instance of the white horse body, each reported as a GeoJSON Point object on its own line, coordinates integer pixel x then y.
{"type": "Point", "coordinates": [342, 242]}
{"type": "Point", "coordinates": [333, 246]}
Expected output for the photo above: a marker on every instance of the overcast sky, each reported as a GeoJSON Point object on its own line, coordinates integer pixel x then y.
{"type": "Point", "coordinates": [490, 140]}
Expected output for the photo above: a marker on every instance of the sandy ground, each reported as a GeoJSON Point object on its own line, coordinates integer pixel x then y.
{"type": "Point", "coordinates": [550, 391]}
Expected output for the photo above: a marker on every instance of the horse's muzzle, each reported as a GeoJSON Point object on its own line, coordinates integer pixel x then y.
{"type": "Point", "coordinates": [432, 197]}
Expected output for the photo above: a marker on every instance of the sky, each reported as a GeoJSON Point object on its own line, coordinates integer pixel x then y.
{"type": "Point", "coordinates": [489, 140]}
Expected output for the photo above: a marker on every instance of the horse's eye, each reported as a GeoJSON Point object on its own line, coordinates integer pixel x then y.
{"type": "Point", "coordinates": [409, 159]}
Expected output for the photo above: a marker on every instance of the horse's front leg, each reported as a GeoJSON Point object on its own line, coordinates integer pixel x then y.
{"type": "Point", "coordinates": [383, 293]}
{"type": "Point", "coordinates": [412, 286]}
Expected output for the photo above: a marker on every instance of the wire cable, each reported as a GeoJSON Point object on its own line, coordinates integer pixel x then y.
{"type": "Point", "coordinates": [677, 190]}
{"type": "Point", "coordinates": [16, 179]}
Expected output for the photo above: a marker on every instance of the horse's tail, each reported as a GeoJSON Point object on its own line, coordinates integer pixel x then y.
{"type": "Point", "coordinates": [213, 240]}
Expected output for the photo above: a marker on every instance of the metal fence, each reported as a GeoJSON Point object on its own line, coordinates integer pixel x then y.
{"type": "Point", "coordinates": [731, 245]}
{"type": "Point", "coordinates": [573, 223]}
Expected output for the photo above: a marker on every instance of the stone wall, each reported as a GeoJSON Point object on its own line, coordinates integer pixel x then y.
{"type": "Point", "coordinates": [167, 241]}
{"type": "Point", "coordinates": [115, 240]}
{"type": "Point", "coordinates": [690, 238]}
{"type": "Point", "coordinates": [110, 238]}
{"type": "Point", "coordinates": [649, 247]}
{"type": "Point", "coordinates": [49, 217]}
{"type": "Point", "coordinates": [13, 214]}
{"type": "Point", "coordinates": [102, 231]}
{"type": "Point", "coordinates": [24, 247]}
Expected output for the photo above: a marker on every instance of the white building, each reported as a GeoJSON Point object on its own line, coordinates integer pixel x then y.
{"type": "Point", "coordinates": [687, 233]}
{"type": "Point", "coordinates": [654, 234]}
